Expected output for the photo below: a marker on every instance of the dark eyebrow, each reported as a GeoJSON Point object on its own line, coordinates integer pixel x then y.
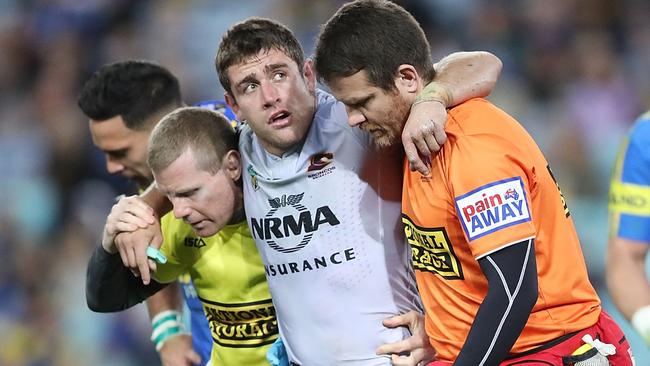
{"type": "Point", "coordinates": [118, 152]}
{"type": "Point", "coordinates": [252, 78]}
{"type": "Point", "coordinates": [248, 79]}
{"type": "Point", "coordinates": [272, 67]}
{"type": "Point", "coordinates": [358, 101]}
{"type": "Point", "coordinates": [185, 193]}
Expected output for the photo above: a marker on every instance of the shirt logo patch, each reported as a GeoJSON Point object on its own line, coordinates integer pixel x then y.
{"type": "Point", "coordinates": [631, 199]}
{"type": "Point", "coordinates": [289, 225]}
{"type": "Point", "coordinates": [319, 165]}
{"type": "Point", "coordinates": [492, 207]}
{"type": "Point", "coordinates": [253, 174]}
{"type": "Point", "coordinates": [242, 325]}
{"type": "Point", "coordinates": [432, 251]}
{"type": "Point", "coordinates": [320, 161]}
{"type": "Point", "coordinates": [194, 242]}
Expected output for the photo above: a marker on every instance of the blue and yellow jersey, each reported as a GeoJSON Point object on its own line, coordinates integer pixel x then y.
{"type": "Point", "coordinates": [221, 107]}
{"type": "Point", "coordinates": [198, 324]}
{"type": "Point", "coordinates": [629, 196]}
{"type": "Point", "coordinates": [228, 275]}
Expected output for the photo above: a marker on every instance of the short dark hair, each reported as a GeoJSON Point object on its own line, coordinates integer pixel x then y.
{"type": "Point", "coordinates": [248, 38]}
{"type": "Point", "coordinates": [372, 35]}
{"type": "Point", "coordinates": [208, 133]}
{"type": "Point", "coordinates": [134, 90]}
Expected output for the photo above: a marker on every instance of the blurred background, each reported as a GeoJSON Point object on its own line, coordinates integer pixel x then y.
{"type": "Point", "coordinates": [576, 74]}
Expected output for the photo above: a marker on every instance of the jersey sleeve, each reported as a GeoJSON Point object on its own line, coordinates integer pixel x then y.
{"type": "Point", "coordinates": [629, 196]}
{"type": "Point", "coordinates": [172, 249]}
{"type": "Point", "coordinates": [489, 179]}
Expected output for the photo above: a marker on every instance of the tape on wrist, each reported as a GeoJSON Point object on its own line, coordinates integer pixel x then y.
{"type": "Point", "coordinates": [641, 322]}
{"type": "Point", "coordinates": [165, 325]}
{"type": "Point", "coordinates": [156, 255]}
{"type": "Point", "coordinates": [434, 92]}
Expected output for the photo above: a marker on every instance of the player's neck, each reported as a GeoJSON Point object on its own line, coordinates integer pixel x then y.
{"type": "Point", "coordinates": [237, 217]}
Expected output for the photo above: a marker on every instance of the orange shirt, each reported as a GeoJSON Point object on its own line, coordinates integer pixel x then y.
{"type": "Point", "coordinates": [490, 187]}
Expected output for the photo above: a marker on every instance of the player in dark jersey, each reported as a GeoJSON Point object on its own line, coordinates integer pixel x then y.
{"type": "Point", "coordinates": [124, 101]}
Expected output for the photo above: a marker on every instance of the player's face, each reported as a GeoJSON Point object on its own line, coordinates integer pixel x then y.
{"type": "Point", "coordinates": [202, 199]}
{"type": "Point", "coordinates": [379, 112]}
{"type": "Point", "coordinates": [125, 149]}
{"type": "Point", "coordinates": [275, 97]}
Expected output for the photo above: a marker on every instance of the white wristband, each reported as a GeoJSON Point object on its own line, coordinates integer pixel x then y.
{"type": "Point", "coordinates": [641, 322]}
{"type": "Point", "coordinates": [166, 324]}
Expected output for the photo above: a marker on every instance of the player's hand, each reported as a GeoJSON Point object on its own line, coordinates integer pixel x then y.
{"type": "Point", "coordinates": [133, 249]}
{"type": "Point", "coordinates": [178, 351]}
{"type": "Point", "coordinates": [128, 214]}
{"type": "Point", "coordinates": [424, 134]}
{"type": "Point", "coordinates": [416, 349]}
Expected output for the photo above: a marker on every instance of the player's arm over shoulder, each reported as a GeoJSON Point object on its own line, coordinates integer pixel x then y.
{"type": "Point", "coordinates": [480, 116]}
{"type": "Point", "coordinates": [110, 286]}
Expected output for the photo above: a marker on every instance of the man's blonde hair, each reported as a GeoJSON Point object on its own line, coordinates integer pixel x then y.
{"type": "Point", "coordinates": [209, 134]}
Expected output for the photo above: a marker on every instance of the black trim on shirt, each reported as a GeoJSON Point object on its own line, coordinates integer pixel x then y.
{"type": "Point", "coordinates": [512, 292]}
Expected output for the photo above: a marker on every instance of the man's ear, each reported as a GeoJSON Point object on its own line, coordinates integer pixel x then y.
{"type": "Point", "coordinates": [407, 79]}
{"type": "Point", "coordinates": [309, 74]}
{"type": "Point", "coordinates": [232, 103]}
{"type": "Point", "coordinates": [231, 164]}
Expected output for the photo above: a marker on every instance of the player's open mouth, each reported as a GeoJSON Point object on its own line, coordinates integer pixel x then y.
{"type": "Point", "coordinates": [280, 119]}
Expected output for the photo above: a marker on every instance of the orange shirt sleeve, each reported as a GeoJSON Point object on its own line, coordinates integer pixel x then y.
{"type": "Point", "coordinates": [489, 178]}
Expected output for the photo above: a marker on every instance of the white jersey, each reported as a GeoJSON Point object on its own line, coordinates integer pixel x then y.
{"type": "Point", "coordinates": [326, 220]}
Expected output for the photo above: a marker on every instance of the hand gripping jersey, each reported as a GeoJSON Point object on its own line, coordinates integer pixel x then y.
{"type": "Point", "coordinates": [228, 276]}
{"type": "Point", "coordinates": [490, 187]}
{"type": "Point", "coordinates": [325, 219]}
{"type": "Point", "coordinates": [629, 198]}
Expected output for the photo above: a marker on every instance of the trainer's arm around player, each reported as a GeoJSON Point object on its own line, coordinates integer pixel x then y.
{"type": "Point", "coordinates": [459, 76]}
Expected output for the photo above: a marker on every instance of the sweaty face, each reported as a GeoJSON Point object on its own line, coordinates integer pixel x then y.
{"type": "Point", "coordinates": [204, 200]}
{"type": "Point", "coordinates": [381, 113]}
{"type": "Point", "coordinates": [276, 98]}
{"type": "Point", "coordinates": [125, 149]}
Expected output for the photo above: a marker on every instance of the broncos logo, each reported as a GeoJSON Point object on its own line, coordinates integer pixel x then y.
{"type": "Point", "coordinates": [292, 199]}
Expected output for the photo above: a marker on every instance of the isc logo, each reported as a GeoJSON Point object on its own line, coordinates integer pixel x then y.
{"type": "Point", "coordinates": [492, 207]}
{"type": "Point", "coordinates": [194, 242]}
